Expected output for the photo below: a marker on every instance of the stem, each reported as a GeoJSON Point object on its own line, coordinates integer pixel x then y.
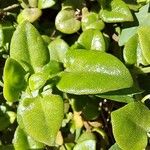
{"type": "Point", "coordinates": [11, 7]}
{"type": "Point", "coordinates": [145, 98]}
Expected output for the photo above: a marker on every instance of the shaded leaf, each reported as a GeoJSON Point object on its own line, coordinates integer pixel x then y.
{"type": "Point", "coordinates": [22, 141]}
{"type": "Point", "coordinates": [14, 80]}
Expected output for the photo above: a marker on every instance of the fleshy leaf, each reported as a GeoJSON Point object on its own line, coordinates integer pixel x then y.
{"type": "Point", "coordinates": [28, 48]}
{"type": "Point", "coordinates": [131, 125]}
{"type": "Point", "coordinates": [144, 41]}
{"type": "Point", "coordinates": [29, 14]}
{"type": "Point", "coordinates": [42, 4]}
{"type": "Point", "coordinates": [67, 22]}
{"type": "Point", "coordinates": [6, 31]}
{"type": "Point", "coordinates": [37, 80]}
{"type": "Point", "coordinates": [143, 16]}
{"type": "Point", "coordinates": [115, 11]}
{"type": "Point", "coordinates": [126, 34]}
{"type": "Point", "coordinates": [90, 20]}
{"type": "Point", "coordinates": [115, 147]}
{"type": "Point", "coordinates": [124, 95]}
{"type": "Point", "coordinates": [130, 50]}
{"type": "Point", "coordinates": [22, 141]}
{"type": "Point", "coordinates": [14, 80]}
{"type": "Point", "coordinates": [86, 141]}
{"type": "Point", "coordinates": [57, 49]}
{"type": "Point", "coordinates": [41, 117]}
{"type": "Point", "coordinates": [90, 72]}
{"type": "Point", "coordinates": [92, 39]}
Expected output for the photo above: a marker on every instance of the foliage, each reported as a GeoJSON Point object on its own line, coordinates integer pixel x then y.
{"type": "Point", "coordinates": [74, 75]}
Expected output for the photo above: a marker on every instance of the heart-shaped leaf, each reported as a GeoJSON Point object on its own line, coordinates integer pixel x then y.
{"type": "Point", "coordinates": [22, 141]}
{"type": "Point", "coordinates": [92, 39]}
{"type": "Point", "coordinates": [41, 117]}
{"type": "Point", "coordinates": [28, 48]}
{"type": "Point", "coordinates": [91, 72]}
{"type": "Point", "coordinates": [115, 11]}
{"type": "Point", "coordinates": [67, 22]}
{"type": "Point", "coordinates": [14, 80]}
{"type": "Point", "coordinates": [131, 125]}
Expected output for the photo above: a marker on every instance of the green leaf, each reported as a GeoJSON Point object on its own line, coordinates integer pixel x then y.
{"type": "Point", "coordinates": [86, 75]}
{"type": "Point", "coordinates": [41, 117]}
{"type": "Point", "coordinates": [14, 80]}
{"type": "Point", "coordinates": [37, 80]}
{"type": "Point", "coordinates": [42, 4]}
{"type": "Point", "coordinates": [131, 125]}
{"type": "Point", "coordinates": [86, 141]}
{"type": "Point", "coordinates": [143, 16]}
{"type": "Point", "coordinates": [92, 39]}
{"type": "Point", "coordinates": [86, 136]}
{"type": "Point", "coordinates": [126, 34]}
{"type": "Point", "coordinates": [33, 3]}
{"type": "Point", "coordinates": [90, 20]}
{"type": "Point", "coordinates": [22, 141]}
{"type": "Point", "coordinates": [130, 50]}
{"type": "Point", "coordinates": [29, 14]}
{"type": "Point", "coordinates": [88, 107]}
{"type": "Point", "coordinates": [58, 49]}
{"type": "Point", "coordinates": [115, 11]}
{"type": "Point", "coordinates": [115, 147]}
{"type": "Point", "coordinates": [124, 95]}
{"type": "Point", "coordinates": [144, 41]}
{"type": "Point", "coordinates": [28, 48]}
{"type": "Point", "coordinates": [87, 145]}
{"type": "Point", "coordinates": [67, 22]}
{"type": "Point", "coordinates": [4, 120]}
{"type": "Point", "coordinates": [6, 31]}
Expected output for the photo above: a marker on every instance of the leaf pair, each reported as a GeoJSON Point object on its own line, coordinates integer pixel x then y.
{"type": "Point", "coordinates": [136, 50]}
{"type": "Point", "coordinates": [115, 11]}
{"type": "Point", "coordinates": [91, 72]}
{"type": "Point", "coordinates": [28, 54]}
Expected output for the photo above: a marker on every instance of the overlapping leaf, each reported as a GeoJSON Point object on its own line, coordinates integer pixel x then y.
{"type": "Point", "coordinates": [90, 72]}
{"type": "Point", "coordinates": [131, 125]}
{"type": "Point", "coordinates": [41, 117]}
